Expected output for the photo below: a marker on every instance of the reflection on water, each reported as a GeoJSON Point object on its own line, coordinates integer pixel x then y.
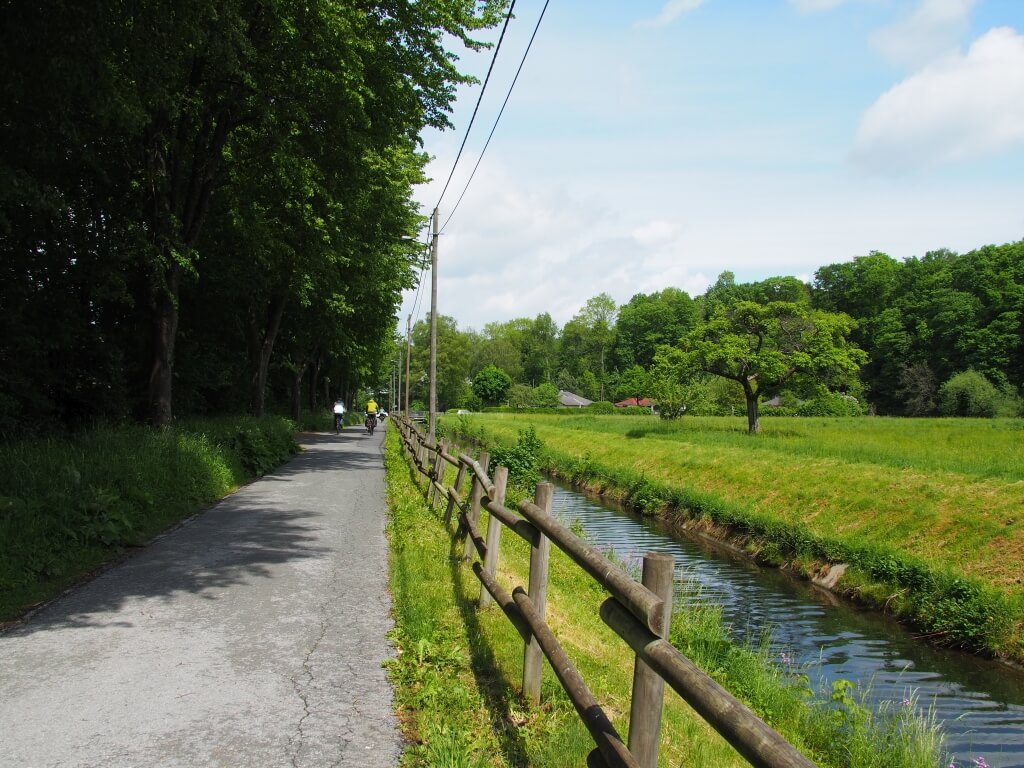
{"type": "Point", "coordinates": [980, 703]}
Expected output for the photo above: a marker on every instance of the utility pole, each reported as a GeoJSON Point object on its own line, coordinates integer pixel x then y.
{"type": "Point", "coordinates": [433, 330]}
{"type": "Point", "coordinates": [408, 349]}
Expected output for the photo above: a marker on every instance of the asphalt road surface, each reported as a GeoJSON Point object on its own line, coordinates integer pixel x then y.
{"type": "Point", "coordinates": [253, 635]}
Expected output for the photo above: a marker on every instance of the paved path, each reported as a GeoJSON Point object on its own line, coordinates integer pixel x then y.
{"type": "Point", "coordinates": [251, 636]}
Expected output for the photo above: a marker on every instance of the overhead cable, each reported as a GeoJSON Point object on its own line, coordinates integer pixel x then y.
{"type": "Point", "coordinates": [469, 127]}
{"type": "Point", "coordinates": [500, 113]}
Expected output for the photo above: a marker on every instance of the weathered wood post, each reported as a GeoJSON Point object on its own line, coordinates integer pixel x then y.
{"type": "Point", "coordinates": [648, 686]}
{"type": "Point", "coordinates": [442, 463]}
{"type": "Point", "coordinates": [473, 515]}
{"type": "Point", "coordinates": [494, 533]}
{"type": "Point", "coordinates": [540, 553]}
{"type": "Point", "coordinates": [419, 456]}
{"type": "Point", "coordinates": [437, 470]}
{"type": "Point", "coordinates": [460, 478]}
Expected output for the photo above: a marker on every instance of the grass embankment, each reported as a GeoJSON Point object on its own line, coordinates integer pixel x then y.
{"type": "Point", "coordinates": [69, 505]}
{"type": "Point", "coordinates": [458, 671]}
{"type": "Point", "coordinates": [929, 514]}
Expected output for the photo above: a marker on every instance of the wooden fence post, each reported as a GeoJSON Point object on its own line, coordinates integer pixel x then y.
{"type": "Point", "coordinates": [473, 515]}
{"type": "Point", "coordinates": [540, 553]}
{"type": "Point", "coordinates": [437, 470]}
{"type": "Point", "coordinates": [493, 533]}
{"type": "Point", "coordinates": [648, 687]}
{"type": "Point", "coordinates": [460, 478]}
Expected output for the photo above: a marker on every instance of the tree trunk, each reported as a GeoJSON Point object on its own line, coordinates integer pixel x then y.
{"type": "Point", "coordinates": [314, 384]}
{"type": "Point", "coordinates": [164, 302]}
{"type": "Point", "coordinates": [297, 375]}
{"type": "Point", "coordinates": [753, 416]}
{"type": "Point", "coordinates": [261, 346]}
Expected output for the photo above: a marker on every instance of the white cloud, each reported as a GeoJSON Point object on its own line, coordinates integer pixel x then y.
{"type": "Point", "coordinates": [814, 6]}
{"type": "Point", "coordinates": [962, 107]}
{"type": "Point", "coordinates": [671, 11]}
{"type": "Point", "coordinates": [933, 30]}
{"type": "Point", "coordinates": [654, 232]}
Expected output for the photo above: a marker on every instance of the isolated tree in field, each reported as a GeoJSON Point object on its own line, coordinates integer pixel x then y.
{"type": "Point", "coordinates": [763, 346]}
{"type": "Point", "coordinates": [491, 384]}
{"type": "Point", "coordinates": [546, 395]}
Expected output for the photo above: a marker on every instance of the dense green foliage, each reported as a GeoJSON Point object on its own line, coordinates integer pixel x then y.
{"type": "Point", "coordinates": [922, 321]}
{"type": "Point", "coordinates": [204, 203]}
{"type": "Point", "coordinates": [68, 505]}
{"type": "Point", "coordinates": [491, 384]}
{"type": "Point", "coordinates": [939, 335]}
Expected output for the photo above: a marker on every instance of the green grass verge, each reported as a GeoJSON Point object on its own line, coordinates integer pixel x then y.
{"type": "Point", "coordinates": [68, 506]}
{"type": "Point", "coordinates": [944, 550]}
{"type": "Point", "coordinates": [458, 670]}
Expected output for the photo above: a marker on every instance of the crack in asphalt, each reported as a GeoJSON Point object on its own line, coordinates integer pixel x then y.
{"type": "Point", "coordinates": [300, 688]}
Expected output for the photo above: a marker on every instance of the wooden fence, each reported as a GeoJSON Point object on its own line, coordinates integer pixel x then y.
{"type": "Point", "coordinates": [639, 613]}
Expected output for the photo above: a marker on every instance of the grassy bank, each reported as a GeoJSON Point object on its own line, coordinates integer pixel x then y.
{"type": "Point", "coordinates": [68, 506]}
{"type": "Point", "coordinates": [459, 669]}
{"type": "Point", "coordinates": [928, 513]}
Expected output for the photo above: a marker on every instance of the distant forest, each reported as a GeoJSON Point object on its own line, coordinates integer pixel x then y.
{"type": "Point", "coordinates": [943, 334]}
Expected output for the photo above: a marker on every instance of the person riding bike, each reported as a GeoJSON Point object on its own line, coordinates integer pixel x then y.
{"type": "Point", "coordinates": [371, 415]}
{"type": "Point", "coordinates": [339, 415]}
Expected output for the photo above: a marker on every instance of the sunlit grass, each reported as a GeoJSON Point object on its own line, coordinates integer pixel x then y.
{"type": "Point", "coordinates": [968, 521]}
{"type": "Point", "coordinates": [978, 447]}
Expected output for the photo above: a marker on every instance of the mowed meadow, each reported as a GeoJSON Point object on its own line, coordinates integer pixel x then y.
{"type": "Point", "coordinates": [933, 507]}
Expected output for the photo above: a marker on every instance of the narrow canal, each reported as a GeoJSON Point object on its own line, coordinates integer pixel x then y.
{"type": "Point", "coordinates": [979, 703]}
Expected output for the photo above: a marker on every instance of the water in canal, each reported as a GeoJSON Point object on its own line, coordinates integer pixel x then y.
{"type": "Point", "coordinates": [980, 703]}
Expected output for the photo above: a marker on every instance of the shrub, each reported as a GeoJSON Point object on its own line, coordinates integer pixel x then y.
{"type": "Point", "coordinates": [602, 407]}
{"type": "Point", "coordinates": [68, 505]}
{"type": "Point", "coordinates": [522, 459]}
{"type": "Point", "coordinates": [968, 394]}
{"type": "Point", "coordinates": [830, 404]}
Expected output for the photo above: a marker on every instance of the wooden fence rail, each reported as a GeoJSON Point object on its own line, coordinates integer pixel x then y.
{"type": "Point", "coordinates": [638, 612]}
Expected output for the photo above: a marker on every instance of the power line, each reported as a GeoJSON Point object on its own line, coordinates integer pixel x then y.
{"type": "Point", "coordinates": [419, 280]}
{"type": "Point", "coordinates": [479, 99]}
{"type": "Point", "coordinates": [500, 113]}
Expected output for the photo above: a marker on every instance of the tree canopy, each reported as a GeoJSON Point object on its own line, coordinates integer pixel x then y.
{"type": "Point", "coordinates": [763, 347]}
{"type": "Point", "coordinates": [196, 199]}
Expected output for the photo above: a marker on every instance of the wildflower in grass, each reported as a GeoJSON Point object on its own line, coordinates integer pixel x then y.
{"type": "Point", "coordinates": [786, 658]}
{"type": "Point", "coordinates": [906, 702]}
{"type": "Point", "coordinates": [980, 762]}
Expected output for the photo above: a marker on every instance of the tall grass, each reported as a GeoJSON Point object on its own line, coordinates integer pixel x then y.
{"type": "Point", "coordinates": [974, 447]}
{"type": "Point", "coordinates": [476, 695]}
{"type": "Point", "coordinates": [67, 506]}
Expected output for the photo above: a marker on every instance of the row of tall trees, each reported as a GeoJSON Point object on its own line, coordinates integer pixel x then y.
{"type": "Point", "coordinates": [872, 332]}
{"type": "Point", "coordinates": [203, 202]}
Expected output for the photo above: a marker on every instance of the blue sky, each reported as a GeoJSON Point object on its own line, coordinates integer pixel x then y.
{"type": "Point", "coordinates": [652, 144]}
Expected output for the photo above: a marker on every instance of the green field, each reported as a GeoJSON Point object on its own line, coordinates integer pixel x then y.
{"type": "Point", "coordinates": [931, 512]}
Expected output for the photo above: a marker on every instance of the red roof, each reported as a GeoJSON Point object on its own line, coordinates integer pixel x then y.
{"type": "Point", "coordinates": [643, 401]}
